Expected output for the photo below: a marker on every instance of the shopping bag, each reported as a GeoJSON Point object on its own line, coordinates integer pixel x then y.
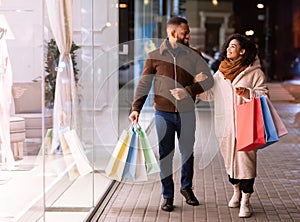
{"type": "Point", "coordinates": [130, 165]}
{"type": "Point", "coordinates": [116, 164]}
{"type": "Point", "coordinates": [69, 160]}
{"type": "Point", "coordinates": [150, 160]}
{"type": "Point", "coordinates": [46, 144]}
{"type": "Point", "coordinates": [269, 126]}
{"type": "Point", "coordinates": [250, 126]}
{"type": "Point", "coordinates": [141, 172]}
{"type": "Point", "coordinates": [81, 161]}
{"type": "Point", "coordinates": [280, 127]}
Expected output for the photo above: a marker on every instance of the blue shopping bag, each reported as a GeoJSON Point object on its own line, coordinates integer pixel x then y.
{"type": "Point", "coordinates": [130, 165]}
{"type": "Point", "coordinates": [269, 126]}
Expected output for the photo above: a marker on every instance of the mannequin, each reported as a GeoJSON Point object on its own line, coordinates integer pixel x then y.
{"type": "Point", "coordinates": [5, 103]}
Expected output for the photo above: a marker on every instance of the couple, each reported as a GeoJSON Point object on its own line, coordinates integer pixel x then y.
{"type": "Point", "coordinates": [180, 74]}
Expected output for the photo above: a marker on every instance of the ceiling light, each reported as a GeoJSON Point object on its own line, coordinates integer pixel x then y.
{"type": "Point", "coordinates": [260, 5]}
{"type": "Point", "coordinates": [249, 32]}
{"type": "Point", "coordinates": [214, 2]}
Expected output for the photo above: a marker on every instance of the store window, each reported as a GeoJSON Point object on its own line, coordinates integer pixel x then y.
{"type": "Point", "coordinates": [22, 112]}
{"type": "Point", "coordinates": [54, 147]}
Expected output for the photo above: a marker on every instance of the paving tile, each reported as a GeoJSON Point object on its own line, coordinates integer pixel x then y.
{"type": "Point", "coordinates": [277, 186]}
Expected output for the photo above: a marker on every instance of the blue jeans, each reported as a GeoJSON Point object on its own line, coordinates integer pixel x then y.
{"type": "Point", "coordinates": [167, 126]}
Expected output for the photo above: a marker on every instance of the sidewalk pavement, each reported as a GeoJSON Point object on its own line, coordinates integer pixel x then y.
{"type": "Point", "coordinates": [277, 186]}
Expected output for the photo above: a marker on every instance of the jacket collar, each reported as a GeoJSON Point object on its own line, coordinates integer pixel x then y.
{"type": "Point", "coordinates": [256, 65]}
{"type": "Point", "coordinates": [164, 47]}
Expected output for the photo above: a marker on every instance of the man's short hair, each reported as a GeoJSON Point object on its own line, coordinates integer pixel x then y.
{"type": "Point", "coordinates": [177, 21]}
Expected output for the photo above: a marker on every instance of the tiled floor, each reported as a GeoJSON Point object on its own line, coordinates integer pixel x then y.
{"type": "Point", "coordinates": [277, 189]}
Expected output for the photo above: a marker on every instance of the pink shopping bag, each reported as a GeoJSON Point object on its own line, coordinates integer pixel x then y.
{"type": "Point", "coordinates": [250, 126]}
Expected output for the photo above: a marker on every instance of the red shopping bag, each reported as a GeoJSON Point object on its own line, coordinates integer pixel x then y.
{"type": "Point", "coordinates": [250, 126]}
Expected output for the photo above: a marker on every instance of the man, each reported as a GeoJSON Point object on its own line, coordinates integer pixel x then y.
{"type": "Point", "coordinates": [173, 67]}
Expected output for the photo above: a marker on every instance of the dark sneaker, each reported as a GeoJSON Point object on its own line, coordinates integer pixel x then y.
{"type": "Point", "coordinates": [168, 205]}
{"type": "Point", "coordinates": [189, 197]}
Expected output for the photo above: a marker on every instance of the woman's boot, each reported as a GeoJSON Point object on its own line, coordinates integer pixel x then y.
{"type": "Point", "coordinates": [245, 205]}
{"type": "Point", "coordinates": [236, 198]}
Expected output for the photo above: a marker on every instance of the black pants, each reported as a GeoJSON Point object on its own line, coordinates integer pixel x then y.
{"type": "Point", "coordinates": [246, 185]}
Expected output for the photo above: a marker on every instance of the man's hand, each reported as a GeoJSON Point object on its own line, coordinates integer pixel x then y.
{"type": "Point", "coordinates": [134, 116]}
{"type": "Point", "coordinates": [200, 77]}
{"type": "Point", "coordinates": [178, 93]}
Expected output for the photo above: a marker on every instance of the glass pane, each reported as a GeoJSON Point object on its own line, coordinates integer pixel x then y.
{"type": "Point", "coordinates": [22, 111]}
{"type": "Point", "coordinates": [82, 182]}
{"type": "Point", "coordinates": [64, 181]}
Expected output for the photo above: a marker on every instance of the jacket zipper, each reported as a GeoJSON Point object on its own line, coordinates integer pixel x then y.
{"type": "Point", "coordinates": [175, 77]}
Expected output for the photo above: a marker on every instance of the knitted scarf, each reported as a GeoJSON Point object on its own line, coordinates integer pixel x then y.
{"type": "Point", "coordinates": [231, 68]}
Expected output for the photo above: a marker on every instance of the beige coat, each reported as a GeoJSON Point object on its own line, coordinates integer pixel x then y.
{"type": "Point", "coordinates": [239, 165]}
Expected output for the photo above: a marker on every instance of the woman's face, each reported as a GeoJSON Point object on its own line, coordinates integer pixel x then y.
{"type": "Point", "coordinates": [234, 50]}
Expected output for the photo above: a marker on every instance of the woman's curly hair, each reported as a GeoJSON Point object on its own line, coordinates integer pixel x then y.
{"type": "Point", "coordinates": [245, 43]}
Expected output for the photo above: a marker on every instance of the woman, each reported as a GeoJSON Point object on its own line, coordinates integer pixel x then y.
{"type": "Point", "coordinates": [238, 79]}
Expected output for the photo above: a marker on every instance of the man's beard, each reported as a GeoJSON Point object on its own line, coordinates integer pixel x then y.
{"type": "Point", "coordinates": [181, 41]}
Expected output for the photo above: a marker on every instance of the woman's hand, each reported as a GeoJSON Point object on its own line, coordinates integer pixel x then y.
{"type": "Point", "coordinates": [200, 77]}
{"type": "Point", "coordinates": [178, 93]}
{"type": "Point", "coordinates": [242, 91]}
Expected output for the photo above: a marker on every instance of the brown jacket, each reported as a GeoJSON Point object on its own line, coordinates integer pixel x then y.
{"type": "Point", "coordinates": [169, 72]}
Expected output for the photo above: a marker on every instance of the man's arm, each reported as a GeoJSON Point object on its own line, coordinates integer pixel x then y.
{"type": "Point", "coordinates": [142, 90]}
{"type": "Point", "coordinates": [204, 74]}
{"type": "Point", "coordinates": [201, 86]}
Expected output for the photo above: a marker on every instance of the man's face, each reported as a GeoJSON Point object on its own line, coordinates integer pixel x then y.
{"type": "Point", "coordinates": [183, 34]}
